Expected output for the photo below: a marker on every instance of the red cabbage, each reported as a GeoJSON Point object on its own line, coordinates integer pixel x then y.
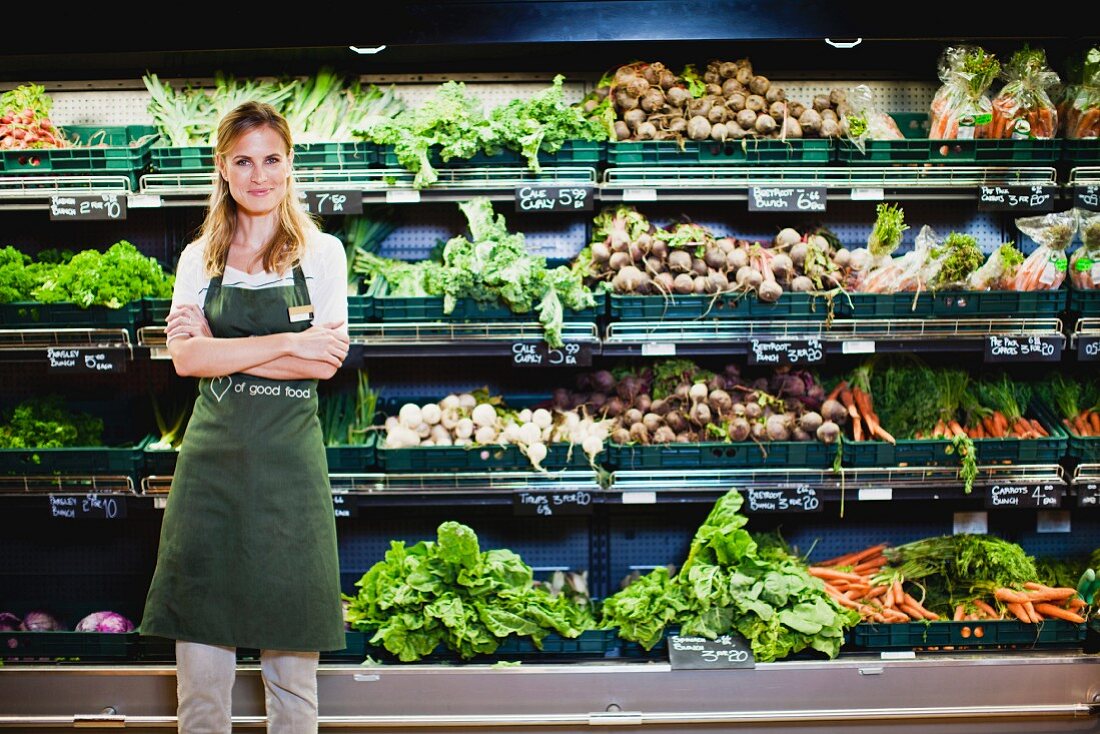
{"type": "Point", "coordinates": [9, 622]}
{"type": "Point", "coordinates": [40, 622]}
{"type": "Point", "coordinates": [105, 622]}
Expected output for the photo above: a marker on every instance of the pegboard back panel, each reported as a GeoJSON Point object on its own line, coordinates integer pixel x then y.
{"type": "Point", "coordinates": [101, 108]}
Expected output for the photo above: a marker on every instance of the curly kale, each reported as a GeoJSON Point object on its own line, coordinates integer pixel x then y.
{"type": "Point", "coordinates": [44, 423]}
{"type": "Point", "coordinates": [113, 278]}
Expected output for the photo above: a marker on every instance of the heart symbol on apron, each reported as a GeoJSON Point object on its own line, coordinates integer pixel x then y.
{"type": "Point", "coordinates": [216, 388]}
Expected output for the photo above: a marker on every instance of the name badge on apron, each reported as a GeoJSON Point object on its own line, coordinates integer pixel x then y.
{"type": "Point", "coordinates": [300, 313]}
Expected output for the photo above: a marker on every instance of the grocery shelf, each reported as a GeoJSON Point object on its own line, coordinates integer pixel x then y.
{"type": "Point", "coordinates": [155, 339]}
{"type": "Point", "coordinates": [897, 182]}
{"type": "Point", "coordinates": [424, 338]}
{"type": "Point", "coordinates": [1086, 339]}
{"type": "Point", "coordinates": [877, 484]}
{"type": "Point", "coordinates": [33, 192]}
{"type": "Point", "coordinates": [62, 484]}
{"type": "Point", "coordinates": [37, 345]}
{"type": "Point", "coordinates": [842, 336]}
{"type": "Point", "coordinates": [1086, 485]}
{"type": "Point", "coordinates": [928, 692]}
{"type": "Point", "coordinates": [384, 185]}
{"type": "Point", "coordinates": [1084, 175]}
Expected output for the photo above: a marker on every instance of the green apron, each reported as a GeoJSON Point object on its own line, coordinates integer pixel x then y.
{"type": "Point", "coordinates": [247, 552]}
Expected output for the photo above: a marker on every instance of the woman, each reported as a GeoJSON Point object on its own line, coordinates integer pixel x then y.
{"type": "Point", "coordinates": [248, 545]}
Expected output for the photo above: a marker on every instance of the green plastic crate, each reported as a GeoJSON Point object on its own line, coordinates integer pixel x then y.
{"type": "Point", "coordinates": [725, 306]}
{"type": "Point", "coordinates": [572, 152]}
{"type": "Point", "coordinates": [158, 462]}
{"type": "Point", "coordinates": [353, 459]}
{"type": "Point", "coordinates": [810, 454]}
{"type": "Point", "coordinates": [80, 646]}
{"type": "Point", "coordinates": [342, 156]}
{"type": "Point", "coordinates": [748, 151]}
{"type": "Point", "coordinates": [914, 149]}
{"type": "Point", "coordinates": [128, 460]}
{"type": "Point", "coordinates": [361, 306]}
{"type": "Point", "coordinates": [939, 452]}
{"type": "Point", "coordinates": [155, 311]}
{"type": "Point", "coordinates": [1084, 303]}
{"type": "Point", "coordinates": [125, 153]}
{"type": "Point", "coordinates": [973, 635]}
{"type": "Point", "coordinates": [421, 459]}
{"type": "Point", "coordinates": [588, 645]}
{"type": "Point", "coordinates": [430, 308]}
{"type": "Point", "coordinates": [32, 315]}
{"type": "Point", "coordinates": [1084, 152]}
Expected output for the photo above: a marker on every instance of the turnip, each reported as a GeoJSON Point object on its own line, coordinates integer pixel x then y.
{"type": "Point", "coordinates": [719, 132]}
{"type": "Point", "coordinates": [464, 429]}
{"type": "Point", "coordinates": [410, 415]}
{"type": "Point", "coordinates": [756, 103]}
{"type": "Point", "coordinates": [542, 418]}
{"type": "Point", "coordinates": [450, 402]}
{"type": "Point", "coordinates": [402, 437]}
{"type": "Point", "coordinates": [529, 433]}
{"type": "Point", "coordinates": [828, 432]}
{"type": "Point", "coordinates": [466, 401]}
{"type": "Point", "coordinates": [428, 442]}
{"type": "Point", "coordinates": [431, 414]}
{"type": "Point", "coordinates": [629, 280]}
{"type": "Point", "coordinates": [622, 130]}
{"type": "Point", "coordinates": [463, 442]}
{"type": "Point", "coordinates": [830, 129]}
{"type": "Point", "coordinates": [620, 436]}
{"type": "Point", "coordinates": [764, 124]}
{"type": "Point", "coordinates": [698, 128]}
{"type": "Point", "coordinates": [536, 453]}
{"type": "Point", "coordinates": [510, 434]}
{"type": "Point", "coordinates": [675, 420]}
{"type": "Point", "coordinates": [679, 261]}
{"type": "Point", "coordinates": [632, 416]}
{"type": "Point", "coordinates": [802, 284]}
{"type": "Point", "coordinates": [437, 432]}
{"type": "Point", "coordinates": [834, 411]}
{"type": "Point", "coordinates": [683, 284]}
{"type": "Point", "coordinates": [392, 422]}
{"type": "Point", "coordinates": [592, 445]}
{"type": "Point", "coordinates": [746, 119]}
{"type": "Point", "coordinates": [652, 422]}
{"type": "Point", "coordinates": [759, 85]}
{"type": "Point", "coordinates": [677, 96]}
{"type": "Point", "coordinates": [646, 131]}
{"type": "Point", "coordinates": [653, 99]}
{"type": "Point", "coordinates": [777, 109]}
{"type": "Point", "coordinates": [423, 430]}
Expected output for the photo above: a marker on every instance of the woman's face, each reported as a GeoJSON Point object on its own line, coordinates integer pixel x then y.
{"type": "Point", "coordinates": [257, 169]}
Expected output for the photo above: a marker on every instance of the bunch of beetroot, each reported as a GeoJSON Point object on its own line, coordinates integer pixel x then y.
{"type": "Point", "coordinates": [676, 401]}
{"type": "Point", "coordinates": [634, 256]}
{"type": "Point", "coordinates": [25, 120]}
{"type": "Point", "coordinates": [728, 102]}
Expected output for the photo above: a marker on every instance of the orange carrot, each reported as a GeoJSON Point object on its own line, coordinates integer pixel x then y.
{"type": "Point", "coordinates": [1002, 422]}
{"type": "Point", "coordinates": [1082, 428]}
{"type": "Point", "coordinates": [955, 428]}
{"type": "Point", "coordinates": [876, 592]}
{"type": "Point", "coordinates": [960, 612]}
{"type": "Point", "coordinates": [1019, 612]}
{"type": "Point", "coordinates": [1009, 596]}
{"type": "Point", "coordinates": [1076, 603]}
{"type": "Point", "coordinates": [1049, 594]}
{"type": "Point", "coordinates": [926, 613]}
{"type": "Point", "coordinates": [940, 431]}
{"type": "Point", "coordinates": [1051, 610]}
{"type": "Point", "coordinates": [836, 390]}
{"type": "Point", "coordinates": [990, 612]}
{"type": "Point", "coordinates": [990, 426]}
{"type": "Point", "coordinates": [866, 553]}
{"type": "Point", "coordinates": [833, 574]}
{"type": "Point", "coordinates": [1038, 428]}
{"type": "Point", "coordinates": [1094, 419]}
{"type": "Point", "coordinates": [1032, 612]}
{"type": "Point", "coordinates": [888, 599]}
{"type": "Point", "coordinates": [870, 565]}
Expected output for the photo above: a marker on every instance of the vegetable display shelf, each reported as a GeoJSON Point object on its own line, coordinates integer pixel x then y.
{"type": "Point", "coordinates": [155, 311]}
{"type": "Point", "coordinates": [1085, 304]}
{"type": "Point", "coordinates": [701, 183]}
{"type": "Point", "coordinates": [717, 454]}
{"type": "Point", "coordinates": [485, 488]}
{"type": "Point", "coordinates": [572, 152]}
{"type": "Point", "coordinates": [417, 338]}
{"type": "Point", "coordinates": [825, 306]}
{"type": "Point", "coordinates": [339, 156]}
{"type": "Point", "coordinates": [747, 151]}
{"type": "Point", "coordinates": [841, 336]}
{"type": "Point", "coordinates": [126, 460]}
{"type": "Point", "coordinates": [949, 635]}
{"type": "Point", "coordinates": [31, 315]}
{"type": "Point", "coordinates": [918, 149]}
{"type": "Point", "coordinates": [361, 305]}
{"type": "Point", "coordinates": [118, 150]}
{"type": "Point", "coordinates": [1085, 152]}
{"type": "Point", "coordinates": [430, 308]}
{"type": "Point", "coordinates": [590, 644]}
{"type": "Point", "coordinates": [1086, 339]}
{"type": "Point", "coordinates": [59, 646]}
{"type": "Point", "coordinates": [934, 452]}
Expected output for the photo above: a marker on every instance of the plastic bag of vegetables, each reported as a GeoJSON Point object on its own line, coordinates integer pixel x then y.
{"type": "Point", "coordinates": [1081, 104]}
{"type": "Point", "coordinates": [999, 271]}
{"type": "Point", "coordinates": [1023, 110]}
{"type": "Point", "coordinates": [866, 121]}
{"type": "Point", "coordinates": [1084, 266]}
{"type": "Point", "coordinates": [961, 108]}
{"type": "Point", "coordinates": [1045, 268]}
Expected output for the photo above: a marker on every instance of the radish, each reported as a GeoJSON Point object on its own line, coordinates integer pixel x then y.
{"type": "Point", "coordinates": [410, 415]}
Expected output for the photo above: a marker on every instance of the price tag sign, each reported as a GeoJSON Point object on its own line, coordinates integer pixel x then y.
{"type": "Point", "coordinates": [348, 201]}
{"type": "Point", "coordinates": [659, 349]}
{"type": "Point", "coordinates": [800, 498]}
{"type": "Point", "coordinates": [1045, 496]}
{"type": "Point", "coordinates": [88, 506]}
{"type": "Point", "coordinates": [868, 194]}
{"type": "Point", "coordinates": [344, 506]}
{"type": "Point", "coordinates": [1087, 197]}
{"type": "Point", "coordinates": [540, 354]}
{"type": "Point", "coordinates": [786, 199]}
{"type": "Point", "coordinates": [639, 194]}
{"type": "Point", "coordinates": [1016, 198]}
{"type": "Point", "coordinates": [547, 504]}
{"type": "Point", "coordinates": [1023, 349]}
{"type": "Point", "coordinates": [87, 207]}
{"type": "Point", "coordinates": [85, 359]}
{"type": "Point", "coordinates": [803, 351]}
{"type": "Point", "coordinates": [1088, 495]}
{"type": "Point", "coordinates": [1088, 348]}
{"type": "Point", "coordinates": [861, 346]}
{"type": "Point", "coordinates": [970, 522]}
{"type": "Point", "coordinates": [402, 196]}
{"type": "Point", "coordinates": [699, 653]}
{"type": "Point", "coordinates": [554, 198]}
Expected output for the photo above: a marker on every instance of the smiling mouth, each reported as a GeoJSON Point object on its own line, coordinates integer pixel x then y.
{"type": "Point", "coordinates": [259, 192]}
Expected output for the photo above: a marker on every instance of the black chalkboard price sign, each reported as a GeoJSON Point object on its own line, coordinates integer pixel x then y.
{"type": "Point", "coordinates": [1087, 197]}
{"type": "Point", "coordinates": [1021, 199]}
{"type": "Point", "coordinates": [87, 207]}
{"type": "Point", "coordinates": [1088, 495]}
{"type": "Point", "coordinates": [801, 498]}
{"type": "Point", "coordinates": [699, 653]}
{"type": "Point", "coordinates": [786, 199]}
{"type": "Point", "coordinates": [548, 504]}
{"type": "Point", "coordinates": [1023, 348]}
{"type": "Point", "coordinates": [1088, 348]}
{"type": "Point", "coordinates": [344, 506]}
{"type": "Point", "coordinates": [87, 507]}
{"type": "Point", "coordinates": [554, 198]}
{"type": "Point", "coordinates": [85, 359]}
{"type": "Point", "coordinates": [803, 351]}
{"type": "Point", "coordinates": [1042, 496]}
{"type": "Point", "coordinates": [332, 202]}
{"type": "Point", "coordinates": [539, 354]}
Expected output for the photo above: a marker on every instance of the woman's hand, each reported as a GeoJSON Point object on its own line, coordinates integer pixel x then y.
{"type": "Point", "coordinates": [187, 320]}
{"type": "Point", "coordinates": [324, 343]}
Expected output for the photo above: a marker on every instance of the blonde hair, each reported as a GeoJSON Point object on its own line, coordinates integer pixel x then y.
{"type": "Point", "coordinates": [220, 225]}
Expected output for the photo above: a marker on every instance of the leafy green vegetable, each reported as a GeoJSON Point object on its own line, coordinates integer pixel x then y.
{"type": "Point", "coordinates": [450, 592]}
{"type": "Point", "coordinates": [732, 582]}
{"type": "Point", "coordinates": [886, 234]}
{"type": "Point", "coordinates": [961, 256]}
{"type": "Point", "coordinates": [542, 123]}
{"type": "Point", "coordinates": [43, 422]}
{"type": "Point", "coordinates": [113, 278]}
{"type": "Point", "coordinates": [696, 85]}
{"type": "Point", "coordinates": [346, 419]}
{"type": "Point", "coordinates": [857, 125]}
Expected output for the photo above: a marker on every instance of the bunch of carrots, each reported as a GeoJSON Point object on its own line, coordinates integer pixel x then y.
{"type": "Point", "coordinates": [861, 412]}
{"type": "Point", "coordinates": [861, 581]}
{"type": "Point", "coordinates": [1085, 423]}
{"type": "Point", "coordinates": [994, 425]}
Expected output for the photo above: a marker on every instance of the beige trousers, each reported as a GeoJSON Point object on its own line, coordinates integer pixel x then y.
{"type": "Point", "coordinates": [204, 686]}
